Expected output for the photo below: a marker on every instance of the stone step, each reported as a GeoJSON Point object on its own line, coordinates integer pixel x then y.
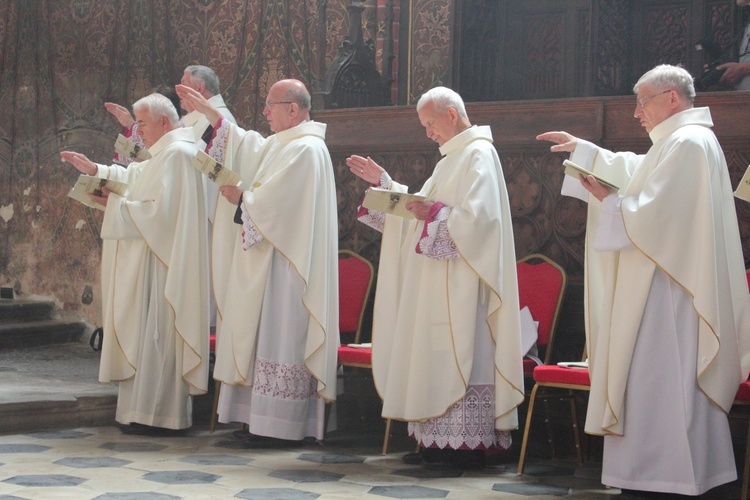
{"type": "Point", "coordinates": [18, 310]}
{"type": "Point", "coordinates": [36, 333]}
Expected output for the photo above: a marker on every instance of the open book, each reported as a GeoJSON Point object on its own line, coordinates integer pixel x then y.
{"type": "Point", "coordinates": [87, 184]}
{"type": "Point", "coordinates": [215, 170]}
{"type": "Point", "coordinates": [743, 189]}
{"type": "Point", "coordinates": [127, 148]}
{"type": "Point", "coordinates": [390, 202]}
{"type": "Point", "coordinates": [575, 170]}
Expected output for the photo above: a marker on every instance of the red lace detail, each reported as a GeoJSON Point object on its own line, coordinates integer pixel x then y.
{"type": "Point", "coordinates": [282, 380]}
{"type": "Point", "coordinates": [467, 425]}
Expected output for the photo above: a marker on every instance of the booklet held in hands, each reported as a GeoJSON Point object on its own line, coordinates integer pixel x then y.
{"type": "Point", "coordinates": [215, 170]}
{"type": "Point", "coordinates": [390, 202]}
{"type": "Point", "coordinates": [128, 149]}
{"type": "Point", "coordinates": [87, 184]}
{"type": "Point", "coordinates": [574, 170]}
{"type": "Point", "coordinates": [743, 189]}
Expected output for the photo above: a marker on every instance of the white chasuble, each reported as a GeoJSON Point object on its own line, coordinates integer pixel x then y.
{"type": "Point", "coordinates": [427, 311]}
{"type": "Point", "coordinates": [277, 301]}
{"type": "Point", "coordinates": [155, 287]}
{"type": "Point", "coordinates": [664, 312]}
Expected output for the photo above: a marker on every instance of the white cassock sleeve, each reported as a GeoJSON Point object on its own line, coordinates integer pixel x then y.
{"type": "Point", "coordinates": [611, 235]}
{"type": "Point", "coordinates": [118, 224]}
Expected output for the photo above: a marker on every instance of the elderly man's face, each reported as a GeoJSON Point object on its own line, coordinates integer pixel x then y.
{"type": "Point", "coordinates": [278, 109]}
{"type": "Point", "coordinates": [440, 125]}
{"type": "Point", "coordinates": [653, 105]}
{"type": "Point", "coordinates": [150, 128]}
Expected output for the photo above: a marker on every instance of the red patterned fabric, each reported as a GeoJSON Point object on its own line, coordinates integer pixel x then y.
{"type": "Point", "coordinates": [360, 355]}
{"type": "Point", "coordinates": [748, 280]}
{"type": "Point", "coordinates": [743, 393]}
{"type": "Point", "coordinates": [354, 279]}
{"type": "Point", "coordinates": [559, 375]}
{"type": "Point", "coordinates": [539, 286]}
{"type": "Point", "coordinates": [212, 342]}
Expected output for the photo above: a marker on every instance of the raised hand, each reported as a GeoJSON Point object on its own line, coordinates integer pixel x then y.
{"type": "Point", "coordinates": [564, 142]}
{"type": "Point", "coordinates": [121, 113]}
{"type": "Point", "coordinates": [365, 168]}
{"type": "Point", "coordinates": [79, 161]}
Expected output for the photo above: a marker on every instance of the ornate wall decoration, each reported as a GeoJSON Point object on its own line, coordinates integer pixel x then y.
{"type": "Point", "coordinates": [666, 28]}
{"type": "Point", "coordinates": [610, 54]}
{"type": "Point", "coordinates": [431, 31]}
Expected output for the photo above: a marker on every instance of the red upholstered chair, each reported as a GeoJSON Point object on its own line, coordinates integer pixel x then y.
{"type": "Point", "coordinates": [742, 399]}
{"type": "Point", "coordinates": [355, 283]}
{"type": "Point", "coordinates": [353, 297]}
{"type": "Point", "coordinates": [541, 288]}
{"type": "Point", "coordinates": [556, 377]}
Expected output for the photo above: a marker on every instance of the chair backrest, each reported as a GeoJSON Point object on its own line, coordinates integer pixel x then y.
{"type": "Point", "coordinates": [355, 282]}
{"type": "Point", "coordinates": [541, 287]}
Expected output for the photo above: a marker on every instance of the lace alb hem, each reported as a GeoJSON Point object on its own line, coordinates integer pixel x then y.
{"type": "Point", "coordinates": [217, 148]}
{"type": "Point", "coordinates": [438, 243]}
{"type": "Point", "coordinates": [468, 424]}
{"type": "Point", "coordinates": [283, 381]}
{"type": "Point", "coordinates": [250, 234]}
{"type": "Point", "coordinates": [373, 218]}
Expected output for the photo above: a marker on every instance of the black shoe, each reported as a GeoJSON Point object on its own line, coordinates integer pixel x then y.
{"type": "Point", "coordinates": [412, 458]}
{"type": "Point", "coordinates": [241, 434]}
{"type": "Point", "coordinates": [437, 459]}
{"type": "Point", "coordinates": [265, 442]}
{"type": "Point", "coordinates": [137, 429]}
{"type": "Point", "coordinates": [468, 459]}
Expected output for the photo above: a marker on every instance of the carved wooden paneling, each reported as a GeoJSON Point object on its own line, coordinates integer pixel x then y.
{"type": "Point", "coordinates": [610, 53]}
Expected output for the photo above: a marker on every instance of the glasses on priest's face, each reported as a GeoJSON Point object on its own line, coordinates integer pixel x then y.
{"type": "Point", "coordinates": [270, 104]}
{"type": "Point", "coordinates": [642, 101]}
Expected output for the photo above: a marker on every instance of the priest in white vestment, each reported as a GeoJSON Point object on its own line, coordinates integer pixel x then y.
{"type": "Point", "coordinates": [205, 81]}
{"type": "Point", "coordinates": [665, 294]}
{"type": "Point", "coordinates": [275, 272]}
{"type": "Point", "coordinates": [155, 281]}
{"type": "Point", "coordinates": [446, 333]}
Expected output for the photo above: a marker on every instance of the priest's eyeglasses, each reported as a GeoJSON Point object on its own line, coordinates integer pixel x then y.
{"type": "Point", "coordinates": [271, 104]}
{"type": "Point", "coordinates": [643, 100]}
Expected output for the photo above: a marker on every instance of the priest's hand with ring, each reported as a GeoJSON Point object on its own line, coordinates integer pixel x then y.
{"type": "Point", "coordinates": [365, 168]}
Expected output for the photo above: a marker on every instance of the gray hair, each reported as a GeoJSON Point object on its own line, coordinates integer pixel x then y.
{"type": "Point", "coordinates": [443, 98]}
{"type": "Point", "coordinates": [158, 105]}
{"type": "Point", "coordinates": [205, 75]}
{"type": "Point", "coordinates": [300, 96]}
{"type": "Point", "coordinates": [666, 75]}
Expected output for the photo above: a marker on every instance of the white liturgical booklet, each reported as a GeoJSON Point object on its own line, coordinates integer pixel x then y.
{"type": "Point", "coordinates": [574, 364]}
{"type": "Point", "coordinates": [215, 171]}
{"type": "Point", "coordinates": [390, 202]}
{"type": "Point", "coordinates": [574, 170]}
{"type": "Point", "coordinates": [743, 189]}
{"type": "Point", "coordinates": [87, 184]}
{"type": "Point", "coordinates": [127, 148]}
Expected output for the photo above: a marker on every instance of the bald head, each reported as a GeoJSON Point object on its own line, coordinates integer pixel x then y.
{"type": "Point", "coordinates": [287, 105]}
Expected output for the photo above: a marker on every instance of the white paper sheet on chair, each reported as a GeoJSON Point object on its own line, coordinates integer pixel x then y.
{"type": "Point", "coordinates": [529, 335]}
{"type": "Point", "coordinates": [365, 345]}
